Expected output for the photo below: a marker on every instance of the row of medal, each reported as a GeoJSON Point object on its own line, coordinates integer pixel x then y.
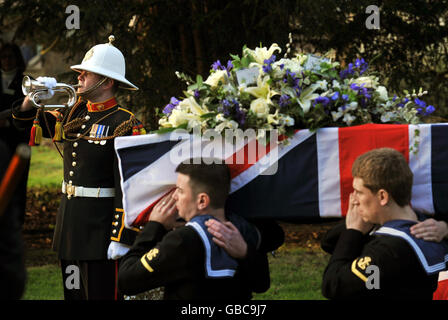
{"type": "Point", "coordinates": [98, 131]}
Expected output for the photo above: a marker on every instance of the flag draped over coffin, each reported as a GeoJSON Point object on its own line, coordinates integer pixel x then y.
{"type": "Point", "coordinates": [312, 176]}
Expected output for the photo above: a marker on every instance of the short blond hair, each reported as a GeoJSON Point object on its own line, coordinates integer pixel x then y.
{"type": "Point", "coordinates": [387, 169]}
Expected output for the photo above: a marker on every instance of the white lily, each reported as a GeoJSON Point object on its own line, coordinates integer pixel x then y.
{"type": "Point", "coordinates": [262, 90]}
{"type": "Point", "coordinates": [190, 104]}
{"type": "Point", "coordinates": [230, 124]}
{"type": "Point", "coordinates": [307, 96]}
{"type": "Point", "coordinates": [348, 118]}
{"type": "Point", "coordinates": [261, 54]}
{"type": "Point", "coordinates": [273, 118]}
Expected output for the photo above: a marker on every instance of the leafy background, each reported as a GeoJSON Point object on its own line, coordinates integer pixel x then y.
{"type": "Point", "coordinates": [161, 37]}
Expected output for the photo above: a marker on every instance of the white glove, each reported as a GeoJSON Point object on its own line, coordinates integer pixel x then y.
{"type": "Point", "coordinates": [116, 250]}
{"type": "Point", "coordinates": [50, 83]}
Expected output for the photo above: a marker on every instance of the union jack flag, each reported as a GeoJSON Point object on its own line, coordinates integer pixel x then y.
{"type": "Point", "coordinates": [311, 176]}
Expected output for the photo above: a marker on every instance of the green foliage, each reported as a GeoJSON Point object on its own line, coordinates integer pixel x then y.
{"type": "Point", "coordinates": [161, 37]}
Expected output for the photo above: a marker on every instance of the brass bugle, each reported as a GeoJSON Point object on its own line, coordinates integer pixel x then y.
{"type": "Point", "coordinates": [38, 92]}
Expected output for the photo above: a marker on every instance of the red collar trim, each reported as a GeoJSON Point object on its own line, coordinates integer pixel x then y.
{"type": "Point", "coordinates": [101, 106]}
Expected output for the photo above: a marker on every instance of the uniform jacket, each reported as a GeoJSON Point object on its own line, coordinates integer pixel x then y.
{"type": "Point", "coordinates": [11, 135]}
{"type": "Point", "coordinates": [401, 275]}
{"type": "Point", "coordinates": [177, 261]}
{"type": "Point", "coordinates": [85, 225]}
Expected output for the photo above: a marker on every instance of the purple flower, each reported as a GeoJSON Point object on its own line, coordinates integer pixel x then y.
{"type": "Point", "coordinates": [267, 66]}
{"type": "Point", "coordinates": [422, 106]}
{"type": "Point", "coordinates": [430, 109]}
{"type": "Point", "coordinates": [346, 72]}
{"type": "Point", "coordinates": [322, 100]}
{"type": "Point", "coordinates": [169, 107]}
{"type": "Point", "coordinates": [229, 65]}
{"type": "Point", "coordinates": [217, 65]}
{"type": "Point", "coordinates": [361, 65]}
{"type": "Point", "coordinates": [284, 101]}
{"type": "Point", "coordinates": [403, 102]}
{"type": "Point", "coordinates": [335, 96]}
{"type": "Point", "coordinates": [240, 114]}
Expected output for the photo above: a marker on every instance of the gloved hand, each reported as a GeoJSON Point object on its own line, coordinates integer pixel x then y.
{"type": "Point", "coordinates": [116, 250]}
{"type": "Point", "coordinates": [50, 83]}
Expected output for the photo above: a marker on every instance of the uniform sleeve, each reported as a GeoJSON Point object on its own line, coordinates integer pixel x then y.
{"type": "Point", "coordinates": [255, 266]}
{"type": "Point", "coordinates": [24, 119]}
{"type": "Point", "coordinates": [158, 258]}
{"type": "Point", "coordinates": [352, 263]}
{"type": "Point", "coordinates": [330, 239]}
{"type": "Point", "coordinates": [255, 270]}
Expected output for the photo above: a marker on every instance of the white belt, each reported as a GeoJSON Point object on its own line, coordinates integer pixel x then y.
{"type": "Point", "coordinates": [78, 191]}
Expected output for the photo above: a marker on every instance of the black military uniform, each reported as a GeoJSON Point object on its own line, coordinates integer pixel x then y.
{"type": "Point", "coordinates": [90, 213]}
{"type": "Point", "coordinates": [401, 275]}
{"type": "Point", "coordinates": [12, 264]}
{"type": "Point", "coordinates": [13, 136]}
{"type": "Point", "coordinates": [177, 261]}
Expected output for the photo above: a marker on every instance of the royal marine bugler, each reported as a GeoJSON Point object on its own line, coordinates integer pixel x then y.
{"type": "Point", "coordinates": [90, 213]}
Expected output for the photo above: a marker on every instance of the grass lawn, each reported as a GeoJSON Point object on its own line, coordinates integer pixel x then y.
{"type": "Point", "coordinates": [44, 283]}
{"type": "Point", "coordinates": [46, 166]}
{"type": "Point", "coordinates": [296, 274]}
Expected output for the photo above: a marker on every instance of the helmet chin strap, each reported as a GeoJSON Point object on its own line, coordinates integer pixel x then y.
{"type": "Point", "coordinates": [92, 88]}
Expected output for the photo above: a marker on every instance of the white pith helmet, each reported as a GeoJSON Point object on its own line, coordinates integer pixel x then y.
{"type": "Point", "coordinates": [106, 60]}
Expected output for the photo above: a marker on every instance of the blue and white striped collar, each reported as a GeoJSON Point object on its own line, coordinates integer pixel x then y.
{"type": "Point", "coordinates": [433, 256]}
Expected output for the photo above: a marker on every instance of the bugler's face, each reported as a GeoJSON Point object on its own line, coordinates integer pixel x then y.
{"type": "Point", "coordinates": [368, 204]}
{"type": "Point", "coordinates": [87, 79]}
{"type": "Point", "coordinates": [185, 199]}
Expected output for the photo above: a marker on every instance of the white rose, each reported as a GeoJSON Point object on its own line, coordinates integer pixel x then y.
{"type": "Point", "coordinates": [260, 107]}
{"type": "Point", "coordinates": [216, 77]}
{"type": "Point", "coordinates": [179, 117]}
{"type": "Point", "coordinates": [164, 123]}
{"type": "Point", "coordinates": [382, 92]}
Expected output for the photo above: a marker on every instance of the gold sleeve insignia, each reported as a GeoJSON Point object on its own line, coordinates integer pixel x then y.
{"type": "Point", "coordinates": [147, 257]}
{"type": "Point", "coordinates": [359, 266]}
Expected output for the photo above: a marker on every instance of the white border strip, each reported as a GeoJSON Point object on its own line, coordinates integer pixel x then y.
{"type": "Point", "coordinates": [420, 164]}
{"type": "Point", "coordinates": [328, 172]}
